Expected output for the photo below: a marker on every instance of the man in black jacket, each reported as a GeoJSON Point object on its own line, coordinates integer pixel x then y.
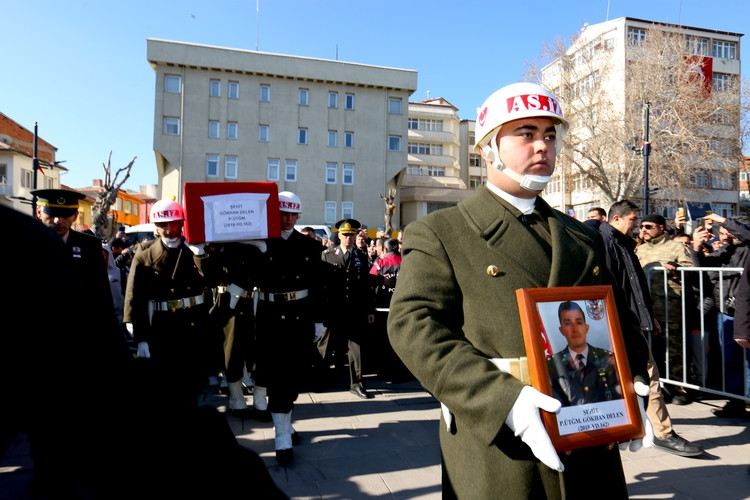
{"type": "Point", "coordinates": [627, 270]}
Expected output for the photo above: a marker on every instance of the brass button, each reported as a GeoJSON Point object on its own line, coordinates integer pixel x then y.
{"type": "Point", "coordinates": [492, 270]}
{"type": "Point", "coordinates": [596, 271]}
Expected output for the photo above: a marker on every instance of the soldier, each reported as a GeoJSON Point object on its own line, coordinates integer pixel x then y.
{"type": "Point", "coordinates": [350, 304]}
{"type": "Point", "coordinates": [233, 311]}
{"type": "Point", "coordinates": [166, 306]}
{"type": "Point", "coordinates": [288, 320]}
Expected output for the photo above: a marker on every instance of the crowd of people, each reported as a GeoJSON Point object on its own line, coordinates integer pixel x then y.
{"type": "Point", "coordinates": [273, 317]}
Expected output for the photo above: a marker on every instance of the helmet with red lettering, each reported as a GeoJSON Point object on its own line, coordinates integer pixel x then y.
{"type": "Point", "coordinates": [166, 211]}
{"type": "Point", "coordinates": [289, 202]}
{"type": "Point", "coordinates": [518, 100]}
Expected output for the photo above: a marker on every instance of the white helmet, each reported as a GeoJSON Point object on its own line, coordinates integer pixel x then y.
{"type": "Point", "coordinates": [512, 102]}
{"type": "Point", "coordinates": [289, 202]}
{"type": "Point", "coordinates": [166, 210]}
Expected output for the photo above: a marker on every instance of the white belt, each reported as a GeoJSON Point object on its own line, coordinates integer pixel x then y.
{"type": "Point", "coordinates": [174, 305]}
{"type": "Point", "coordinates": [243, 294]}
{"type": "Point", "coordinates": [383, 309]}
{"type": "Point", "coordinates": [282, 296]}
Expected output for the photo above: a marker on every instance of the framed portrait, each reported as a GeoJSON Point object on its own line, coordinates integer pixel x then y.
{"type": "Point", "coordinates": [576, 354]}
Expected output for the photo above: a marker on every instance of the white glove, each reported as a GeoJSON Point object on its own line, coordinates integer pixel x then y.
{"type": "Point", "coordinates": [647, 441]}
{"type": "Point", "coordinates": [198, 248]}
{"type": "Point", "coordinates": [143, 351]}
{"type": "Point", "coordinates": [525, 422]}
{"type": "Point", "coordinates": [318, 331]}
{"type": "Point", "coordinates": [259, 244]}
{"type": "Point", "coordinates": [234, 292]}
{"type": "Point", "coordinates": [129, 328]}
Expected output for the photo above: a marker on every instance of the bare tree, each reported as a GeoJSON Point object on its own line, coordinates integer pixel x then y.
{"type": "Point", "coordinates": [390, 209]}
{"type": "Point", "coordinates": [694, 128]}
{"type": "Point", "coordinates": [107, 196]}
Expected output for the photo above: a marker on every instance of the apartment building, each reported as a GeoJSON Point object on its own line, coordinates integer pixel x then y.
{"type": "Point", "coordinates": [17, 175]}
{"type": "Point", "coordinates": [434, 177]}
{"type": "Point", "coordinates": [598, 63]}
{"type": "Point", "coordinates": [333, 132]}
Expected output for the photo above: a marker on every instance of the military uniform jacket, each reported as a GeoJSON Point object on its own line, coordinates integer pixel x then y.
{"type": "Point", "coordinates": [160, 274]}
{"type": "Point", "coordinates": [455, 308]}
{"type": "Point", "coordinates": [598, 384]}
{"type": "Point", "coordinates": [348, 286]}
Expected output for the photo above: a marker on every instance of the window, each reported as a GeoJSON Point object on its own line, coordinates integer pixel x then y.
{"type": "Point", "coordinates": [290, 170]}
{"type": "Point", "coordinates": [394, 143]}
{"type": "Point", "coordinates": [212, 165]}
{"type": "Point", "coordinates": [720, 81]}
{"type": "Point", "coordinates": [3, 173]}
{"type": "Point", "coordinates": [700, 179]}
{"type": "Point", "coordinates": [724, 209]}
{"type": "Point", "coordinates": [214, 88]}
{"type": "Point", "coordinates": [273, 169]}
{"type": "Point", "coordinates": [232, 128]}
{"type": "Point", "coordinates": [349, 101]}
{"type": "Point", "coordinates": [696, 45]}
{"type": "Point", "coordinates": [727, 50]}
{"type": "Point", "coordinates": [348, 139]}
{"type": "Point", "coordinates": [265, 93]}
{"type": "Point", "coordinates": [331, 170]}
{"type": "Point", "coordinates": [347, 174]}
{"type": "Point", "coordinates": [332, 138]}
{"type": "Point", "coordinates": [394, 106]}
{"type": "Point", "coordinates": [136, 208]}
{"type": "Point", "coordinates": [422, 124]}
{"type": "Point", "coordinates": [262, 133]}
{"type": "Point", "coordinates": [304, 94]}
{"type": "Point", "coordinates": [230, 167]}
{"type": "Point", "coordinates": [213, 129]}
{"type": "Point", "coordinates": [333, 99]}
{"type": "Point", "coordinates": [172, 83]}
{"type": "Point", "coordinates": [302, 136]}
{"type": "Point", "coordinates": [27, 179]}
{"type": "Point", "coordinates": [475, 181]}
{"type": "Point", "coordinates": [475, 160]}
{"type": "Point", "coordinates": [347, 210]}
{"type": "Point", "coordinates": [330, 212]}
{"type": "Point", "coordinates": [128, 207]}
{"type": "Point", "coordinates": [171, 126]}
{"type": "Point", "coordinates": [425, 149]}
{"type": "Point", "coordinates": [636, 36]}
{"type": "Point", "coordinates": [233, 90]}
{"type": "Point", "coordinates": [118, 205]}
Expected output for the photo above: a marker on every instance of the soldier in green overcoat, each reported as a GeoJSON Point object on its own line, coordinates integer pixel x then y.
{"type": "Point", "coordinates": [455, 309]}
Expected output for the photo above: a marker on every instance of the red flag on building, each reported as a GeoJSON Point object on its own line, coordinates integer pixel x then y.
{"type": "Point", "coordinates": [702, 67]}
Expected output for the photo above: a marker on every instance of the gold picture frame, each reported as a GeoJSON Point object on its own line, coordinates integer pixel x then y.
{"type": "Point", "coordinates": [599, 402]}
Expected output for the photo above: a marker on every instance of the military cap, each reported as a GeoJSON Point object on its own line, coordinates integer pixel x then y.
{"type": "Point", "coordinates": [348, 226]}
{"type": "Point", "coordinates": [655, 218]}
{"type": "Point", "coordinates": [58, 202]}
{"type": "Point", "coordinates": [116, 242]}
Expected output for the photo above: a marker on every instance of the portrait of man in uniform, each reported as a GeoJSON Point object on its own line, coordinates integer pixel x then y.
{"type": "Point", "coordinates": [581, 373]}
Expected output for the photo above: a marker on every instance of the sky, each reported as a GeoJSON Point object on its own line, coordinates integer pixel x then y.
{"type": "Point", "coordinates": [78, 69]}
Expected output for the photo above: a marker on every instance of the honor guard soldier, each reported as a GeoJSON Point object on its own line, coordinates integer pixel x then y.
{"type": "Point", "coordinates": [166, 306]}
{"type": "Point", "coordinates": [233, 312]}
{"type": "Point", "coordinates": [351, 304]}
{"type": "Point", "coordinates": [289, 318]}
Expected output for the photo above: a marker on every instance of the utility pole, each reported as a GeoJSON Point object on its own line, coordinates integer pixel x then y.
{"type": "Point", "coordinates": [645, 151]}
{"type": "Point", "coordinates": [35, 168]}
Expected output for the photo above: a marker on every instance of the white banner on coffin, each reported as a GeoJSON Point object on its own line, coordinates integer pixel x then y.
{"type": "Point", "coordinates": [235, 216]}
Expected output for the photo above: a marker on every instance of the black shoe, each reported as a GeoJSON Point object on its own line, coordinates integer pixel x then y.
{"type": "Point", "coordinates": [678, 445]}
{"type": "Point", "coordinates": [360, 392]}
{"type": "Point", "coordinates": [285, 457]}
{"type": "Point", "coordinates": [296, 440]}
{"type": "Point", "coordinates": [731, 410]}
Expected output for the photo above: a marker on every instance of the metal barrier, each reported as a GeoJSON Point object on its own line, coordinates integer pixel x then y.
{"type": "Point", "coordinates": [686, 340]}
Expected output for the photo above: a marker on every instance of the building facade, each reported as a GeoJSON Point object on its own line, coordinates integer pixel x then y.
{"type": "Point", "coordinates": [333, 132]}
{"type": "Point", "coordinates": [599, 63]}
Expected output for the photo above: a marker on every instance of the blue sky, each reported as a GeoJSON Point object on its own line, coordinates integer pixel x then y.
{"type": "Point", "coordinates": [79, 69]}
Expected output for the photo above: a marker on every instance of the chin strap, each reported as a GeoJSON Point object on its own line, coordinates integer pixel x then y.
{"type": "Point", "coordinates": [528, 182]}
{"type": "Point", "coordinates": [172, 242]}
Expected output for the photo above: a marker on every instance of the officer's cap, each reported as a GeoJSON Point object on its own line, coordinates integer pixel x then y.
{"type": "Point", "coordinates": [58, 202]}
{"type": "Point", "coordinates": [348, 226]}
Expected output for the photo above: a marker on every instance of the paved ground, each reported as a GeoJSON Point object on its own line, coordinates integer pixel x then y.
{"type": "Point", "coordinates": [386, 448]}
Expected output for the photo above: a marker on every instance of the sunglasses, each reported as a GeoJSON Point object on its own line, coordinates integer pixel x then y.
{"type": "Point", "coordinates": [647, 226]}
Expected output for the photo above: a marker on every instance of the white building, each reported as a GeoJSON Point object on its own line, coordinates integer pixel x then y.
{"type": "Point", "coordinates": [333, 132]}
{"type": "Point", "coordinates": [616, 39]}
